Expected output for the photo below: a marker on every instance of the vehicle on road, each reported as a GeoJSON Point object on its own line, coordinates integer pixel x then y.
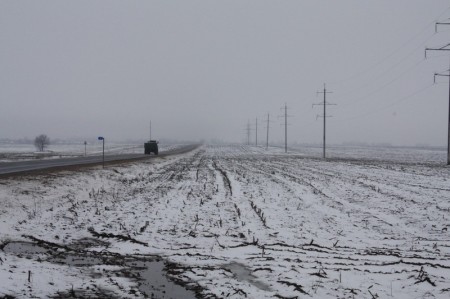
{"type": "Point", "coordinates": [151, 147]}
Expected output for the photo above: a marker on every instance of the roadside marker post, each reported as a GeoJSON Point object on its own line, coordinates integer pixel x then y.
{"type": "Point", "coordinates": [103, 139]}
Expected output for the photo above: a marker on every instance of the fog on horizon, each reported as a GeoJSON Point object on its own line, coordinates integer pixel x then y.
{"type": "Point", "coordinates": [201, 70]}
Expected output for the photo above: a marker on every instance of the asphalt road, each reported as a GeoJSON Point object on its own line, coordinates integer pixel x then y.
{"type": "Point", "coordinates": [9, 168]}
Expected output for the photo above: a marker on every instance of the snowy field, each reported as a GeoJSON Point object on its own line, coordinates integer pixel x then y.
{"type": "Point", "coordinates": [231, 222]}
{"type": "Point", "coordinates": [429, 155]}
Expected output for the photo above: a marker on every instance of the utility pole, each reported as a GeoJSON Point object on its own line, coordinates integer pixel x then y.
{"type": "Point", "coordinates": [103, 139]}
{"type": "Point", "coordinates": [267, 138]}
{"type": "Point", "coordinates": [285, 128]}
{"type": "Point", "coordinates": [285, 125]}
{"type": "Point", "coordinates": [444, 48]}
{"type": "Point", "coordinates": [448, 131]}
{"type": "Point", "coordinates": [248, 132]}
{"type": "Point", "coordinates": [256, 135]}
{"type": "Point", "coordinates": [324, 104]}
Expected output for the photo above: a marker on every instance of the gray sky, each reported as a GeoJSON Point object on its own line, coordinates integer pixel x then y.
{"type": "Point", "coordinates": [202, 69]}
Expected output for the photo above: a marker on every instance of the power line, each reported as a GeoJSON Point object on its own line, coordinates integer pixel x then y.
{"type": "Point", "coordinates": [371, 112]}
{"type": "Point", "coordinates": [367, 96]}
{"type": "Point", "coordinates": [382, 74]}
{"type": "Point", "coordinates": [382, 60]}
{"type": "Point", "coordinates": [395, 79]}
{"type": "Point", "coordinates": [396, 64]}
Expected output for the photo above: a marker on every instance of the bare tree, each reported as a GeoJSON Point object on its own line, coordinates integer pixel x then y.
{"type": "Point", "coordinates": [41, 142]}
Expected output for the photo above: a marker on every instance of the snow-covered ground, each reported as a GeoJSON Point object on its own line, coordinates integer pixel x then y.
{"type": "Point", "coordinates": [436, 155]}
{"type": "Point", "coordinates": [233, 222]}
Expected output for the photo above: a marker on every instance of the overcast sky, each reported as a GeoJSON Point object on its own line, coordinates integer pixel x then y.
{"type": "Point", "coordinates": [203, 69]}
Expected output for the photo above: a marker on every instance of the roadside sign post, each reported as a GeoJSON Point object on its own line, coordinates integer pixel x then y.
{"type": "Point", "coordinates": [103, 139]}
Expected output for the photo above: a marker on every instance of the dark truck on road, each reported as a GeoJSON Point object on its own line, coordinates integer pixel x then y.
{"type": "Point", "coordinates": [151, 147]}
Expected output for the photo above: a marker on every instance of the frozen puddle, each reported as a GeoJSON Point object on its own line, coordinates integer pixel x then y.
{"type": "Point", "coordinates": [25, 249]}
{"type": "Point", "coordinates": [155, 282]}
{"type": "Point", "coordinates": [242, 273]}
{"type": "Point", "coordinates": [151, 273]}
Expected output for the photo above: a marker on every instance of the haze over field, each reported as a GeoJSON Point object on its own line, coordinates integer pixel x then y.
{"type": "Point", "coordinates": [202, 69]}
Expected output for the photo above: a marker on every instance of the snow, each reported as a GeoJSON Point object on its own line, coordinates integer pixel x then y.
{"type": "Point", "coordinates": [240, 222]}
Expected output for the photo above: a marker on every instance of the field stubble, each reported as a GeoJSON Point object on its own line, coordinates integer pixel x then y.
{"type": "Point", "coordinates": [237, 222]}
